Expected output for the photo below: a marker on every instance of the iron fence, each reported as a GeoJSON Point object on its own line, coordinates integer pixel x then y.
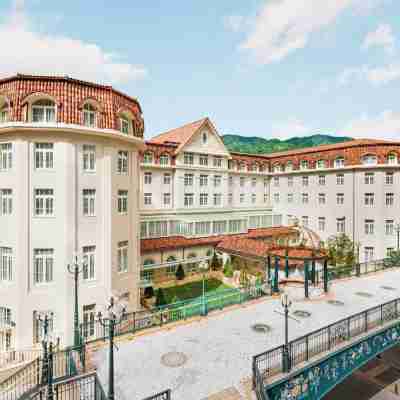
{"type": "Point", "coordinates": [302, 349]}
{"type": "Point", "coordinates": [165, 395]}
{"type": "Point", "coordinates": [139, 320]}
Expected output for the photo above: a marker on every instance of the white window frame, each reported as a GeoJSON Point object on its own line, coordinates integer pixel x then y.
{"type": "Point", "coordinates": [89, 158]}
{"type": "Point", "coordinates": [389, 199]}
{"type": "Point", "coordinates": [164, 159]}
{"type": "Point", "coordinates": [147, 199]}
{"type": "Point", "coordinates": [6, 201]}
{"type": "Point", "coordinates": [203, 159]}
{"type": "Point", "coordinates": [148, 158]}
{"type": "Point", "coordinates": [217, 199]}
{"type": "Point", "coordinates": [45, 109]}
{"type": "Point", "coordinates": [123, 202]}
{"type": "Point", "coordinates": [166, 199]}
{"type": "Point", "coordinates": [43, 266]}
{"type": "Point", "coordinates": [389, 178]}
{"type": "Point", "coordinates": [167, 179]}
{"type": "Point", "coordinates": [321, 198]}
{"type": "Point", "coordinates": [44, 156]}
{"type": "Point", "coordinates": [89, 202]}
{"type": "Point", "coordinates": [188, 199]}
{"type": "Point", "coordinates": [6, 156]}
{"type": "Point", "coordinates": [339, 198]}
{"type": "Point", "coordinates": [6, 264]}
{"type": "Point", "coordinates": [89, 115]}
{"type": "Point", "coordinates": [389, 227]}
{"type": "Point", "coordinates": [148, 178]}
{"type": "Point", "coordinates": [44, 201]}
{"type": "Point", "coordinates": [369, 227]}
{"type": "Point", "coordinates": [89, 263]}
{"type": "Point", "coordinates": [341, 225]}
{"type": "Point", "coordinates": [203, 180]}
{"type": "Point", "coordinates": [321, 224]}
{"type": "Point", "coordinates": [122, 256]}
{"type": "Point", "coordinates": [188, 179]}
{"type": "Point", "coordinates": [203, 199]}
{"type": "Point", "coordinates": [122, 162]}
{"type": "Point", "coordinates": [125, 125]}
{"type": "Point", "coordinates": [188, 158]}
{"type": "Point", "coordinates": [369, 178]}
{"type": "Point", "coordinates": [369, 199]}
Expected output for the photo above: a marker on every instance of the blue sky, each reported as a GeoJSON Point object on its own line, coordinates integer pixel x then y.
{"type": "Point", "coordinates": [270, 68]}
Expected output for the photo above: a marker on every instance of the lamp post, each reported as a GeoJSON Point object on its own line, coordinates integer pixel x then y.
{"type": "Point", "coordinates": [114, 315]}
{"type": "Point", "coordinates": [286, 303]}
{"type": "Point", "coordinates": [398, 236]}
{"type": "Point", "coordinates": [75, 268]}
{"type": "Point", "coordinates": [203, 267]}
{"type": "Point", "coordinates": [44, 320]}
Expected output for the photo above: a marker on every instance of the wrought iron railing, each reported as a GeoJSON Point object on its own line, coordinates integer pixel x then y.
{"type": "Point", "coordinates": [271, 363]}
{"type": "Point", "coordinates": [360, 269]}
{"type": "Point", "coordinates": [165, 395]}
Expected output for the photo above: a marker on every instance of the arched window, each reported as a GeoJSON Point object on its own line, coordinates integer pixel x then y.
{"type": "Point", "coordinates": [392, 159]}
{"type": "Point", "coordinates": [339, 162]}
{"type": "Point", "coordinates": [148, 157]}
{"type": "Point", "coordinates": [148, 262]}
{"type": "Point", "coordinates": [89, 115]}
{"type": "Point", "coordinates": [369, 159]}
{"type": "Point", "coordinates": [4, 110]}
{"type": "Point", "coordinates": [277, 168]}
{"type": "Point", "coordinates": [164, 159]}
{"type": "Point", "coordinates": [289, 166]}
{"type": "Point", "coordinates": [204, 137]}
{"type": "Point", "coordinates": [43, 110]}
{"type": "Point", "coordinates": [304, 164]}
{"type": "Point", "coordinates": [321, 164]}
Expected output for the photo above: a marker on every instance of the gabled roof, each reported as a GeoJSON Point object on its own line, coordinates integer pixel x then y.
{"type": "Point", "coordinates": [182, 135]}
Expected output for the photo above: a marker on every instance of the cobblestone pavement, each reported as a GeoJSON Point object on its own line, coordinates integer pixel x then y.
{"type": "Point", "coordinates": [219, 348]}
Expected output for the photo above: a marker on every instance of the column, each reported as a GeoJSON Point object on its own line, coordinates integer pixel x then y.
{"type": "Point", "coordinates": [306, 262]}
{"type": "Point", "coordinates": [313, 272]}
{"type": "Point", "coordinates": [326, 276]}
{"type": "Point", "coordinates": [286, 264]}
{"type": "Point", "coordinates": [276, 276]}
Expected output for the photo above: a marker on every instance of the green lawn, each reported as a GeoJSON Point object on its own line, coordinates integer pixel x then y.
{"type": "Point", "coordinates": [192, 289]}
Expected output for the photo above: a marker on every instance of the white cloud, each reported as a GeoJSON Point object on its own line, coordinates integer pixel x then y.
{"type": "Point", "coordinates": [292, 127]}
{"type": "Point", "coordinates": [234, 23]}
{"type": "Point", "coordinates": [28, 51]}
{"type": "Point", "coordinates": [381, 37]}
{"type": "Point", "coordinates": [385, 125]}
{"type": "Point", "coordinates": [374, 75]}
{"type": "Point", "coordinates": [283, 26]}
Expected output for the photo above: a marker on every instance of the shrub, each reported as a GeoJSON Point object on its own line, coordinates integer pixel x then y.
{"type": "Point", "coordinates": [180, 273]}
{"type": "Point", "coordinates": [215, 263]}
{"type": "Point", "coordinates": [160, 300]}
{"type": "Point", "coordinates": [228, 270]}
{"type": "Point", "coordinates": [149, 292]}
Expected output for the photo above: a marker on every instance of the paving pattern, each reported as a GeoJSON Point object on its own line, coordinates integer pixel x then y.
{"type": "Point", "coordinates": [219, 348]}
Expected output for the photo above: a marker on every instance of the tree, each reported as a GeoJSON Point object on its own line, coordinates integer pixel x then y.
{"type": "Point", "coordinates": [341, 250]}
{"type": "Point", "coordinates": [160, 300]}
{"type": "Point", "coordinates": [180, 273]}
{"type": "Point", "coordinates": [215, 263]}
{"type": "Point", "coordinates": [394, 259]}
{"type": "Point", "coordinates": [228, 270]}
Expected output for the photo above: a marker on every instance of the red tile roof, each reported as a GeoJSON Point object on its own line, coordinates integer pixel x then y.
{"type": "Point", "coordinates": [245, 246]}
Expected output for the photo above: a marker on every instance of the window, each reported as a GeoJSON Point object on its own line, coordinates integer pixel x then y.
{"type": "Point", "coordinates": [304, 164]}
{"type": "Point", "coordinates": [158, 228]}
{"type": "Point", "coordinates": [242, 181]}
{"type": "Point", "coordinates": [188, 179]}
{"type": "Point", "coordinates": [265, 198]}
{"type": "Point", "coordinates": [277, 168]}
{"type": "Point", "coordinates": [290, 198]}
{"type": "Point", "coordinates": [340, 179]}
{"type": "Point", "coordinates": [389, 251]}
{"type": "Point", "coordinates": [341, 225]}
{"type": "Point", "coordinates": [38, 331]}
{"type": "Point", "coordinates": [389, 227]}
{"type": "Point", "coordinates": [392, 159]}
{"type": "Point", "coordinates": [203, 199]}
{"type": "Point", "coordinates": [89, 115]}
{"type": "Point", "coordinates": [122, 256]}
{"type": "Point", "coordinates": [147, 199]}
{"type": "Point", "coordinates": [218, 162]}
{"type": "Point", "coordinates": [122, 166]}
{"type": "Point", "coordinates": [321, 180]}
{"type": "Point", "coordinates": [4, 115]}
{"type": "Point", "coordinates": [304, 180]}
{"type": "Point", "coordinates": [230, 181]}
{"type": "Point", "coordinates": [147, 275]}
{"type": "Point", "coordinates": [369, 159]}
{"type": "Point", "coordinates": [189, 199]}
{"type": "Point", "coordinates": [369, 199]}
{"type": "Point", "coordinates": [203, 159]}
{"type": "Point", "coordinates": [254, 182]}
{"type": "Point", "coordinates": [305, 221]}
{"type": "Point", "coordinates": [89, 318]}
{"type": "Point", "coordinates": [188, 158]}
{"type": "Point", "coordinates": [148, 178]}
{"type": "Point", "coordinates": [44, 202]}
{"type": "Point", "coordinates": [389, 178]}
{"type": "Point", "coordinates": [230, 198]}
{"type": "Point", "coordinates": [89, 157]}
{"type": "Point", "coordinates": [219, 227]}
{"type": "Point", "coordinates": [321, 198]}
{"type": "Point", "coordinates": [369, 254]}
{"type": "Point", "coordinates": [171, 269]}
{"type": "Point", "coordinates": [6, 201]}
{"type": "Point", "coordinates": [290, 181]}
{"type": "Point", "coordinates": [321, 164]}
{"type": "Point", "coordinates": [43, 261]}
{"type": "Point", "coordinates": [5, 156]}
{"type": "Point", "coordinates": [89, 202]}
{"type": "Point", "coordinates": [339, 162]}
{"type": "Point", "coordinates": [122, 201]}
{"type": "Point", "coordinates": [88, 271]}
{"type": "Point", "coordinates": [44, 155]}
{"type": "Point", "coordinates": [289, 166]}
{"type": "Point", "coordinates": [369, 226]}
{"type": "Point", "coordinates": [304, 198]}
{"type": "Point", "coordinates": [389, 199]}
{"type": "Point", "coordinates": [340, 198]}
{"type": "Point", "coordinates": [5, 316]}
{"type": "Point", "coordinates": [204, 137]}
{"type": "Point", "coordinates": [265, 183]}
{"type": "Point", "coordinates": [276, 181]}
{"type": "Point", "coordinates": [6, 264]}
{"type": "Point", "coordinates": [217, 180]}
{"type": "Point", "coordinates": [241, 198]}
{"type": "Point", "coordinates": [43, 111]}
{"type": "Point", "coordinates": [125, 125]}
{"type": "Point", "coordinates": [242, 166]}
{"type": "Point", "coordinates": [167, 179]}
{"type": "Point", "coordinates": [202, 228]}
{"type": "Point", "coordinates": [164, 159]}
{"type": "Point", "coordinates": [217, 199]}
{"type": "Point", "coordinates": [167, 199]}
{"type": "Point", "coordinates": [148, 158]}
{"type": "Point", "coordinates": [253, 198]}
{"type": "Point", "coordinates": [369, 178]}
{"type": "Point", "coordinates": [276, 197]}
{"type": "Point", "coordinates": [321, 224]}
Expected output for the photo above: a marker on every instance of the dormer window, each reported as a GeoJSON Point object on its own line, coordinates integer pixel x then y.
{"type": "Point", "coordinates": [370, 159]}
{"type": "Point", "coordinates": [164, 159]}
{"type": "Point", "coordinates": [392, 159]}
{"type": "Point", "coordinates": [204, 137]}
{"type": "Point", "coordinates": [242, 166]}
{"type": "Point", "coordinates": [321, 164]}
{"type": "Point", "coordinates": [277, 168]}
{"type": "Point", "coordinates": [4, 113]}
{"type": "Point", "coordinates": [148, 158]}
{"type": "Point", "coordinates": [339, 162]}
{"type": "Point", "coordinates": [304, 164]}
{"type": "Point", "coordinates": [289, 166]}
{"type": "Point", "coordinates": [125, 125]}
{"type": "Point", "coordinates": [89, 115]}
{"type": "Point", "coordinates": [44, 111]}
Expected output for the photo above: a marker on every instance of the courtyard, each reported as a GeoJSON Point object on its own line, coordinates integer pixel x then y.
{"type": "Point", "coordinates": [213, 354]}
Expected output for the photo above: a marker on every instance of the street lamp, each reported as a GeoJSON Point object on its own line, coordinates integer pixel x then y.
{"type": "Point", "coordinates": [75, 268]}
{"type": "Point", "coordinates": [43, 319]}
{"type": "Point", "coordinates": [286, 303]}
{"type": "Point", "coordinates": [203, 267]}
{"type": "Point", "coordinates": [398, 236]}
{"type": "Point", "coordinates": [114, 315]}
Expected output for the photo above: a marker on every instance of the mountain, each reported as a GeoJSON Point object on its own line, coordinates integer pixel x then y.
{"type": "Point", "coordinates": [257, 145]}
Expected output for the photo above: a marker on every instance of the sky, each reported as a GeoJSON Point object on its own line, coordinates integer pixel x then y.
{"type": "Point", "coordinates": [268, 68]}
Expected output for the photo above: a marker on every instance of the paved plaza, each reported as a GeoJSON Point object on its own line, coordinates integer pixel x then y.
{"type": "Point", "coordinates": [213, 354]}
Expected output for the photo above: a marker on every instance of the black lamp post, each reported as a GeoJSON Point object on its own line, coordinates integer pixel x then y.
{"type": "Point", "coordinates": [75, 269]}
{"type": "Point", "coordinates": [203, 267]}
{"type": "Point", "coordinates": [115, 315]}
{"type": "Point", "coordinates": [286, 303]}
{"type": "Point", "coordinates": [44, 320]}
